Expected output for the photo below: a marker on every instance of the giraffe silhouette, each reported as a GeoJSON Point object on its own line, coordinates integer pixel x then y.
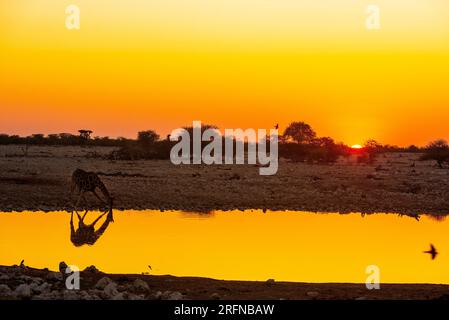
{"type": "Point", "coordinates": [85, 181]}
{"type": "Point", "coordinates": [86, 234]}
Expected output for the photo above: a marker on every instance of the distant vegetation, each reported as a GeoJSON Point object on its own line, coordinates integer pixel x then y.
{"type": "Point", "coordinates": [437, 150]}
{"type": "Point", "coordinates": [63, 139]}
{"type": "Point", "coordinates": [299, 143]}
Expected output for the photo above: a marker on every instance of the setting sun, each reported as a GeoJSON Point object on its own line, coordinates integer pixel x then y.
{"type": "Point", "coordinates": [356, 146]}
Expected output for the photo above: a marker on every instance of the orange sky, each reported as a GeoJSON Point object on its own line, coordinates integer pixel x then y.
{"type": "Point", "coordinates": [160, 64]}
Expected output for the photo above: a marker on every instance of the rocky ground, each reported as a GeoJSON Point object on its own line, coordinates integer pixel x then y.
{"type": "Point", "coordinates": [21, 282]}
{"type": "Point", "coordinates": [394, 183]}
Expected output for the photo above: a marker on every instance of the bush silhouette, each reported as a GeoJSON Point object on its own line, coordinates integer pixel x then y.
{"type": "Point", "coordinates": [437, 150]}
{"type": "Point", "coordinates": [147, 138]}
{"type": "Point", "coordinates": [299, 132]}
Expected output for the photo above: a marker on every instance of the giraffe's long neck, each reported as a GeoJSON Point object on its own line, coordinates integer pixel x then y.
{"type": "Point", "coordinates": [103, 189]}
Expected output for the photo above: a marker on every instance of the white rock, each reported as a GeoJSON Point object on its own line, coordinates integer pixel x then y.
{"type": "Point", "coordinates": [23, 291]}
{"type": "Point", "coordinates": [141, 285]}
{"type": "Point", "coordinates": [118, 296]}
{"type": "Point", "coordinates": [25, 279]}
{"type": "Point", "coordinates": [157, 295]}
{"type": "Point", "coordinates": [5, 290]}
{"type": "Point", "coordinates": [44, 287]}
{"type": "Point", "coordinates": [103, 282]}
{"type": "Point", "coordinates": [54, 276]}
{"type": "Point", "coordinates": [175, 296]}
{"type": "Point", "coordinates": [215, 296]}
{"type": "Point", "coordinates": [110, 291]}
{"type": "Point", "coordinates": [33, 286]}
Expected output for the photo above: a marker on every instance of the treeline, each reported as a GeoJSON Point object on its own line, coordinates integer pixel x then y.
{"type": "Point", "coordinates": [298, 142]}
{"type": "Point", "coordinates": [63, 139]}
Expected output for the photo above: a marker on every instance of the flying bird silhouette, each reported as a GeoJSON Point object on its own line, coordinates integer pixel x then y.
{"type": "Point", "coordinates": [433, 252]}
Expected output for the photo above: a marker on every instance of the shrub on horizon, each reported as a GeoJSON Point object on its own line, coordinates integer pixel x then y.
{"type": "Point", "coordinates": [438, 151]}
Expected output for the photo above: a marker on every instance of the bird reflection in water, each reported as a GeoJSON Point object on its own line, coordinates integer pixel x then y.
{"type": "Point", "coordinates": [86, 233]}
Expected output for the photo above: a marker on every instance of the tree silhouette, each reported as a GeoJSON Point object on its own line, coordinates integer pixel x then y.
{"type": "Point", "coordinates": [204, 127]}
{"type": "Point", "coordinates": [371, 148]}
{"type": "Point", "coordinates": [323, 142]}
{"type": "Point", "coordinates": [85, 134]}
{"type": "Point", "coordinates": [300, 132]}
{"type": "Point", "coordinates": [147, 137]}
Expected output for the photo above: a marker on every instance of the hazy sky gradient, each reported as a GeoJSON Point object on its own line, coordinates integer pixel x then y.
{"type": "Point", "coordinates": [160, 64]}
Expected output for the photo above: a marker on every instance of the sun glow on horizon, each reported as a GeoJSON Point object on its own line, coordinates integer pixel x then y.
{"type": "Point", "coordinates": [356, 146]}
{"type": "Point", "coordinates": [140, 65]}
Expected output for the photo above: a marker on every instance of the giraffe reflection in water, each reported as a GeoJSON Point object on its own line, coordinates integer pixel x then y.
{"type": "Point", "coordinates": [86, 233]}
{"type": "Point", "coordinates": [85, 181]}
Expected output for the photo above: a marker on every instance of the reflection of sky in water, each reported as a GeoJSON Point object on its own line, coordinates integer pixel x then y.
{"type": "Point", "coordinates": [291, 246]}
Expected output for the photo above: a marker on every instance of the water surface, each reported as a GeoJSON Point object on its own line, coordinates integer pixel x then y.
{"type": "Point", "coordinates": [251, 245]}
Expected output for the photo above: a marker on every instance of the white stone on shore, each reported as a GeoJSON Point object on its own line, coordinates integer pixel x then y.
{"type": "Point", "coordinates": [5, 290]}
{"type": "Point", "coordinates": [44, 287]}
{"type": "Point", "coordinates": [175, 296]}
{"type": "Point", "coordinates": [4, 277]}
{"type": "Point", "coordinates": [158, 295]}
{"type": "Point", "coordinates": [110, 291]}
{"type": "Point", "coordinates": [118, 296]}
{"type": "Point", "coordinates": [141, 285]}
{"type": "Point", "coordinates": [215, 296]}
{"type": "Point", "coordinates": [102, 283]}
{"type": "Point", "coordinates": [54, 276]}
{"type": "Point", "coordinates": [23, 291]}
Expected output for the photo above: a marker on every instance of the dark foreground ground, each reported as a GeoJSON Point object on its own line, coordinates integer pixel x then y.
{"type": "Point", "coordinates": [28, 283]}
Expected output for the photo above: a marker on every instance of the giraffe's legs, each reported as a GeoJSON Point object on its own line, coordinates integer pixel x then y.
{"type": "Point", "coordinates": [72, 228]}
{"type": "Point", "coordinates": [72, 191]}
{"type": "Point", "coordinates": [81, 195]}
{"type": "Point", "coordinates": [84, 215]}
{"type": "Point", "coordinates": [99, 217]}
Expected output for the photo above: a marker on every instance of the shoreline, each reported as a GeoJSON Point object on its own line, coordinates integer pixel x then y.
{"type": "Point", "coordinates": [22, 282]}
